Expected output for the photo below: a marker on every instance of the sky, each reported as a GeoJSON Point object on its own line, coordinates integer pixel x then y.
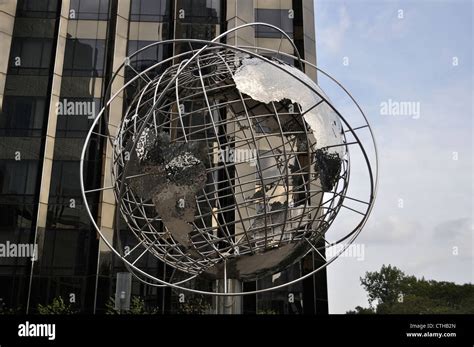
{"type": "Point", "coordinates": [416, 53]}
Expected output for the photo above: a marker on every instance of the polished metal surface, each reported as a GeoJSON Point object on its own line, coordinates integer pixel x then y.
{"type": "Point", "coordinates": [229, 163]}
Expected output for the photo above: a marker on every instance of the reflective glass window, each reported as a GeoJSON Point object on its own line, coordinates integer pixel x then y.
{"type": "Point", "coordinates": [276, 17]}
{"type": "Point", "coordinates": [76, 116]}
{"type": "Point", "coordinates": [30, 56]}
{"type": "Point", "coordinates": [65, 179]}
{"type": "Point", "coordinates": [150, 10]}
{"type": "Point", "coordinates": [84, 57]}
{"type": "Point", "coordinates": [199, 11]}
{"type": "Point", "coordinates": [37, 9]}
{"type": "Point", "coordinates": [89, 9]}
{"type": "Point", "coordinates": [147, 57]}
{"type": "Point", "coordinates": [22, 116]}
{"type": "Point", "coordinates": [18, 177]}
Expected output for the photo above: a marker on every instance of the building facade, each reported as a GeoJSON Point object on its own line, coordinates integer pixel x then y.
{"type": "Point", "coordinates": [56, 60]}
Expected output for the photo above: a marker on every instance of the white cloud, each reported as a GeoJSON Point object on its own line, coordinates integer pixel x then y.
{"type": "Point", "coordinates": [390, 229]}
{"type": "Point", "coordinates": [454, 229]}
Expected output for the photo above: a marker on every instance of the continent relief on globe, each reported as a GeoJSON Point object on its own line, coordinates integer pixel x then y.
{"type": "Point", "coordinates": [174, 173]}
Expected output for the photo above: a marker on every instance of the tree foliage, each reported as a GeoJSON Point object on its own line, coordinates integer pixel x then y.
{"type": "Point", "coordinates": [137, 306]}
{"type": "Point", "coordinates": [58, 306]}
{"type": "Point", "coordinates": [391, 291]}
{"type": "Point", "coordinates": [8, 310]}
{"type": "Point", "coordinates": [195, 305]}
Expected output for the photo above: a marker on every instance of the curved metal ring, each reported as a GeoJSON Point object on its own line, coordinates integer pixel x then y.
{"type": "Point", "coordinates": [352, 235]}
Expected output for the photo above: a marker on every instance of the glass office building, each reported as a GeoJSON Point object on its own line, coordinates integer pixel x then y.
{"type": "Point", "coordinates": [56, 59]}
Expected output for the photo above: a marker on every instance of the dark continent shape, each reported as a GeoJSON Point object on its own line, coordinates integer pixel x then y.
{"type": "Point", "coordinates": [177, 222]}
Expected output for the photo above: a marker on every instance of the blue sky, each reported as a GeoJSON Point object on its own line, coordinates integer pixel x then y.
{"type": "Point", "coordinates": [406, 51]}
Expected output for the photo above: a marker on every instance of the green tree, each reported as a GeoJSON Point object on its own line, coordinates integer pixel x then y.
{"type": "Point", "coordinates": [58, 306]}
{"type": "Point", "coordinates": [7, 310]}
{"type": "Point", "coordinates": [362, 310]}
{"type": "Point", "coordinates": [383, 286]}
{"type": "Point", "coordinates": [195, 305]}
{"type": "Point", "coordinates": [137, 306]}
{"type": "Point", "coordinates": [390, 291]}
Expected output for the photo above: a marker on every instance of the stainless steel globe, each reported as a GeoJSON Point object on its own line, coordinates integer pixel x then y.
{"type": "Point", "coordinates": [229, 163]}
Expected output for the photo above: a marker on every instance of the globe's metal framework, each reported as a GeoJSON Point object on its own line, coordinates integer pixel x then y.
{"type": "Point", "coordinates": [194, 208]}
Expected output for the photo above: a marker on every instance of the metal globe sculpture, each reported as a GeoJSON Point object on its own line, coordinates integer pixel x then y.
{"type": "Point", "coordinates": [227, 163]}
